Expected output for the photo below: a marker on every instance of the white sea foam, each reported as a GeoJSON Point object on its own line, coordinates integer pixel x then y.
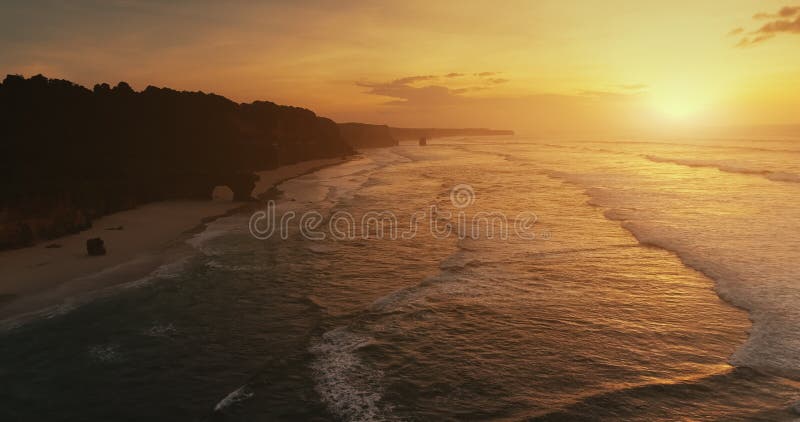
{"type": "Point", "coordinates": [236, 396]}
{"type": "Point", "coordinates": [161, 330]}
{"type": "Point", "coordinates": [105, 353]}
{"type": "Point", "coordinates": [741, 239]}
{"type": "Point", "coordinates": [217, 265]}
{"type": "Point", "coordinates": [768, 293]}
{"type": "Point", "coordinates": [778, 176]}
{"type": "Point", "coordinates": [200, 241]}
{"type": "Point", "coordinates": [349, 387]}
{"type": "Point", "coordinates": [69, 304]}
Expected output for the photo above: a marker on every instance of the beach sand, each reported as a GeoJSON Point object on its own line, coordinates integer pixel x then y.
{"type": "Point", "coordinates": [40, 277]}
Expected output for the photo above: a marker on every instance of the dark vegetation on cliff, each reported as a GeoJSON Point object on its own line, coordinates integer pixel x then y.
{"type": "Point", "coordinates": [69, 154]}
{"type": "Point", "coordinates": [362, 135]}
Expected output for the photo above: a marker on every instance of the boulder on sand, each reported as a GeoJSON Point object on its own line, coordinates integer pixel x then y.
{"type": "Point", "coordinates": [242, 185]}
{"type": "Point", "coordinates": [95, 247]}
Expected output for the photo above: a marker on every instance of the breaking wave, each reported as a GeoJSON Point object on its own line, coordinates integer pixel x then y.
{"type": "Point", "coordinates": [777, 176]}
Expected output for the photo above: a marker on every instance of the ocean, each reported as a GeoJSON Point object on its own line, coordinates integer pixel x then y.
{"type": "Point", "coordinates": [495, 279]}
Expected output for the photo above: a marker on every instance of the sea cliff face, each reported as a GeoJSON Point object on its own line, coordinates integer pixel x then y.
{"type": "Point", "coordinates": [69, 154]}
{"type": "Point", "coordinates": [361, 135]}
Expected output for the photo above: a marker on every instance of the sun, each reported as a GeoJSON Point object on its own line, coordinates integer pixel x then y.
{"type": "Point", "coordinates": [680, 103]}
{"type": "Point", "coordinates": [679, 108]}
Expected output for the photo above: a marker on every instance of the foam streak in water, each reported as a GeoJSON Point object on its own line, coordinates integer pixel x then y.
{"type": "Point", "coordinates": [777, 176]}
{"type": "Point", "coordinates": [236, 396]}
{"type": "Point", "coordinates": [350, 388]}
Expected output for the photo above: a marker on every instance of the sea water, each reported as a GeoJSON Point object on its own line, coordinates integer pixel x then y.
{"type": "Point", "coordinates": [659, 283]}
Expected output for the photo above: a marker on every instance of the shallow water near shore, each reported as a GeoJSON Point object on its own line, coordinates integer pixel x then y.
{"type": "Point", "coordinates": [613, 310]}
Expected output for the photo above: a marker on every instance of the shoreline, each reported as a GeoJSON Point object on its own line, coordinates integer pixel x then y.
{"type": "Point", "coordinates": [38, 278]}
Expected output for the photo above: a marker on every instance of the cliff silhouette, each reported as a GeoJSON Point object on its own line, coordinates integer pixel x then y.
{"type": "Point", "coordinates": [69, 154]}
{"type": "Point", "coordinates": [362, 135]}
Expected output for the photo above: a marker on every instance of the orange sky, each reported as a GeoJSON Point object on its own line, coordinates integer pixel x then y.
{"type": "Point", "coordinates": [545, 67]}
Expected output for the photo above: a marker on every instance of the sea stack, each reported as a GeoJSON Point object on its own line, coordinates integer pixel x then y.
{"type": "Point", "coordinates": [423, 141]}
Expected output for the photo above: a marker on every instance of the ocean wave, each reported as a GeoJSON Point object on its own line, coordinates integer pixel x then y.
{"type": "Point", "coordinates": [217, 265]}
{"type": "Point", "coordinates": [694, 144]}
{"type": "Point", "coordinates": [765, 286]}
{"type": "Point", "coordinates": [236, 396]}
{"type": "Point", "coordinates": [160, 330]}
{"type": "Point", "coordinates": [460, 261]}
{"type": "Point", "coordinates": [777, 176]}
{"type": "Point", "coordinates": [374, 181]}
{"type": "Point", "coordinates": [200, 241]}
{"type": "Point", "coordinates": [69, 304]}
{"type": "Point", "coordinates": [673, 399]}
{"type": "Point", "coordinates": [105, 353]}
{"type": "Point", "coordinates": [775, 335]}
{"type": "Point", "coordinates": [349, 387]}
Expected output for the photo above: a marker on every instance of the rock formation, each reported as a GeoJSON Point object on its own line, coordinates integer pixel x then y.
{"type": "Point", "coordinates": [95, 246]}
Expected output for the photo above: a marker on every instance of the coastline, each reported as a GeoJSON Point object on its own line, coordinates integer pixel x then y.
{"type": "Point", "coordinates": [39, 277]}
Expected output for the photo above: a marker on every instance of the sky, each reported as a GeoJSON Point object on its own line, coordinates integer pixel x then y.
{"type": "Point", "coordinates": [550, 68]}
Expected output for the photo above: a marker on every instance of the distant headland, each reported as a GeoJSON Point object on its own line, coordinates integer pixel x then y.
{"type": "Point", "coordinates": [362, 135]}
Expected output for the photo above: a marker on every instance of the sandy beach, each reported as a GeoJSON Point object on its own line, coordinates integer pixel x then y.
{"type": "Point", "coordinates": [52, 272]}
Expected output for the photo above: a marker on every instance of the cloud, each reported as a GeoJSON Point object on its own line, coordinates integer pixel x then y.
{"type": "Point", "coordinates": [632, 87]}
{"type": "Point", "coordinates": [785, 21]}
{"type": "Point", "coordinates": [407, 91]}
{"type": "Point", "coordinates": [601, 94]}
{"type": "Point", "coordinates": [403, 93]}
{"type": "Point", "coordinates": [468, 89]}
{"type": "Point", "coordinates": [785, 12]}
{"type": "Point", "coordinates": [736, 31]}
{"type": "Point", "coordinates": [621, 92]}
{"type": "Point", "coordinates": [413, 79]}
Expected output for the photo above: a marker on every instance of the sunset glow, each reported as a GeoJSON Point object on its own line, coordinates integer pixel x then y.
{"type": "Point", "coordinates": [610, 63]}
{"type": "Point", "coordinates": [681, 103]}
{"type": "Point", "coordinates": [399, 210]}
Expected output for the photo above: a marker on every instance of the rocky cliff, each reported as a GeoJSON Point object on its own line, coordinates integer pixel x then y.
{"type": "Point", "coordinates": [69, 154]}
{"type": "Point", "coordinates": [361, 135]}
